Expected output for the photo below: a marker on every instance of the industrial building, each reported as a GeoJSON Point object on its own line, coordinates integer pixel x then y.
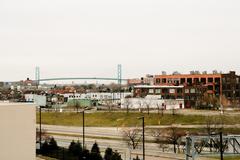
{"type": "Point", "coordinates": [191, 87]}
{"type": "Point", "coordinates": [95, 98]}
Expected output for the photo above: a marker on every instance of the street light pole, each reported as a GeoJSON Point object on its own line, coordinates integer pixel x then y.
{"type": "Point", "coordinates": [83, 129]}
{"type": "Point", "coordinates": [221, 150]}
{"type": "Point", "coordinates": [143, 133]}
{"type": "Point", "coordinates": [221, 146]}
{"type": "Point", "coordinates": [40, 128]}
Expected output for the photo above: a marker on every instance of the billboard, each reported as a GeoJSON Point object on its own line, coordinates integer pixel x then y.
{"type": "Point", "coordinates": [40, 100]}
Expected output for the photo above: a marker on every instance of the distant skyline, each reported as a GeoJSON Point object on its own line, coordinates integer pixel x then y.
{"type": "Point", "coordinates": [76, 38]}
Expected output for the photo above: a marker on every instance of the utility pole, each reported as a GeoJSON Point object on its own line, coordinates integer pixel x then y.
{"type": "Point", "coordinates": [119, 74]}
{"type": "Point", "coordinates": [143, 133]}
{"type": "Point", "coordinates": [221, 145]}
{"type": "Point", "coordinates": [40, 128]}
{"type": "Point", "coordinates": [83, 129]}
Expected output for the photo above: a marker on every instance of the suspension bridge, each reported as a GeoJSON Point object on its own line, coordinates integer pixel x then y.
{"type": "Point", "coordinates": [118, 78]}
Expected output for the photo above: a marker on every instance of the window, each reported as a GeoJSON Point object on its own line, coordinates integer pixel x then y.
{"type": "Point", "coordinates": [203, 80]}
{"type": "Point", "coordinates": [237, 94]}
{"type": "Point", "coordinates": [158, 80]}
{"type": "Point", "coordinates": [164, 80]}
{"type": "Point", "coordinates": [192, 90]}
{"type": "Point", "coordinates": [179, 90]}
{"type": "Point", "coordinates": [228, 79]}
{"type": "Point", "coordinates": [158, 91]}
{"type": "Point", "coordinates": [189, 80]}
{"type": "Point", "coordinates": [210, 80]}
{"type": "Point", "coordinates": [196, 80]}
{"type": "Point", "coordinates": [176, 82]}
{"type": "Point", "coordinates": [186, 90]}
{"type": "Point", "coordinates": [223, 80]}
{"type": "Point", "coordinates": [151, 91]}
{"type": "Point", "coordinates": [210, 87]}
{"type": "Point", "coordinates": [217, 80]}
{"type": "Point", "coordinates": [171, 90]}
{"type": "Point", "coordinates": [165, 90]}
{"type": "Point", "coordinates": [182, 80]}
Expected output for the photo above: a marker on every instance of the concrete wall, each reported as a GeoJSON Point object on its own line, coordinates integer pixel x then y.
{"type": "Point", "coordinates": [18, 131]}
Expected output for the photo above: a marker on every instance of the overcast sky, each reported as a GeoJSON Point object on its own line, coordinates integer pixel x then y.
{"type": "Point", "coordinates": [79, 38]}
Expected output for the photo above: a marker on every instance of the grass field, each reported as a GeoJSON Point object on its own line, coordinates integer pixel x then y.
{"type": "Point", "coordinates": [121, 119]}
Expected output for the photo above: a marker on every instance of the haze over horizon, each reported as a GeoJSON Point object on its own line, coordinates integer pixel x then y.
{"type": "Point", "coordinates": [77, 38]}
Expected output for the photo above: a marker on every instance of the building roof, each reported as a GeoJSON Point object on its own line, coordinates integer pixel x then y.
{"type": "Point", "coordinates": [189, 76]}
{"type": "Point", "coordinates": [158, 86]}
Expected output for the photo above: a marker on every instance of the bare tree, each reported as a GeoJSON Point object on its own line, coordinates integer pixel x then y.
{"type": "Point", "coordinates": [114, 87]}
{"type": "Point", "coordinates": [209, 100]}
{"type": "Point", "coordinates": [77, 105]}
{"type": "Point", "coordinates": [160, 139]}
{"type": "Point", "coordinates": [173, 135]}
{"type": "Point", "coordinates": [160, 106]}
{"type": "Point", "coordinates": [148, 104]}
{"type": "Point", "coordinates": [173, 110]}
{"type": "Point", "coordinates": [132, 136]}
{"type": "Point", "coordinates": [127, 104]}
{"type": "Point", "coordinates": [224, 102]}
{"type": "Point", "coordinates": [214, 125]}
{"type": "Point", "coordinates": [140, 104]}
{"type": "Point", "coordinates": [109, 104]}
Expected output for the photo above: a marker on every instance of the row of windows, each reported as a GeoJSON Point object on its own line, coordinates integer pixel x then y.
{"type": "Point", "coordinates": [187, 80]}
{"type": "Point", "coordinates": [230, 87]}
{"type": "Point", "coordinates": [231, 94]}
{"type": "Point", "coordinates": [171, 91]}
{"type": "Point", "coordinates": [228, 79]}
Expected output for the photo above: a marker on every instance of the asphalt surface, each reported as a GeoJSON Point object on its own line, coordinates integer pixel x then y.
{"type": "Point", "coordinates": [113, 137]}
{"type": "Point", "coordinates": [107, 137]}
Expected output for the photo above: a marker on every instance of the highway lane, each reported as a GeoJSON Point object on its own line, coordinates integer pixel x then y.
{"type": "Point", "coordinates": [152, 150]}
{"type": "Point", "coordinates": [106, 132]}
{"type": "Point", "coordinates": [112, 137]}
{"type": "Point", "coordinates": [106, 137]}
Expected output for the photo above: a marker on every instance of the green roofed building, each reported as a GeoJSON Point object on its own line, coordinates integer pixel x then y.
{"type": "Point", "coordinates": [83, 102]}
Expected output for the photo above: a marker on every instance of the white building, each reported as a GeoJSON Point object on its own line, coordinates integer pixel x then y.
{"type": "Point", "coordinates": [97, 96]}
{"type": "Point", "coordinates": [153, 102]}
{"type": "Point", "coordinates": [18, 131]}
{"type": "Point", "coordinates": [29, 97]}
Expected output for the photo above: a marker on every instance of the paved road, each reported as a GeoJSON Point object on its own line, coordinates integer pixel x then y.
{"type": "Point", "coordinates": [113, 132]}
{"type": "Point", "coordinates": [111, 137]}
{"type": "Point", "coordinates": [106, 137]}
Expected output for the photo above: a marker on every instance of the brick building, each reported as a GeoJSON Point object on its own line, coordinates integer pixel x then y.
{"type": "Point", "coordinates": [231, 86]}
{"type": "Point", "coordinates": [194, 85]}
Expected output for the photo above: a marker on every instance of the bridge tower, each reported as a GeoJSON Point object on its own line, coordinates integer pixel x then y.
{"type": "Point", "coordinates": [119, 74]}
{"type": "Point", "coordinates": [37, 75]}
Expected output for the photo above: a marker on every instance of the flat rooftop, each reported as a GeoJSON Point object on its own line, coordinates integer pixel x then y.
{"type": "Point", "coordinates": [158, 86]}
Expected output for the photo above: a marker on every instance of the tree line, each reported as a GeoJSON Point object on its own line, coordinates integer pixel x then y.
{"type": "Point", "coordinates": [75, 151]}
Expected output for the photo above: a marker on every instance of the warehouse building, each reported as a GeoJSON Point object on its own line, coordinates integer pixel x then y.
{"type": "Point", "coordinates": [193, 86]}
